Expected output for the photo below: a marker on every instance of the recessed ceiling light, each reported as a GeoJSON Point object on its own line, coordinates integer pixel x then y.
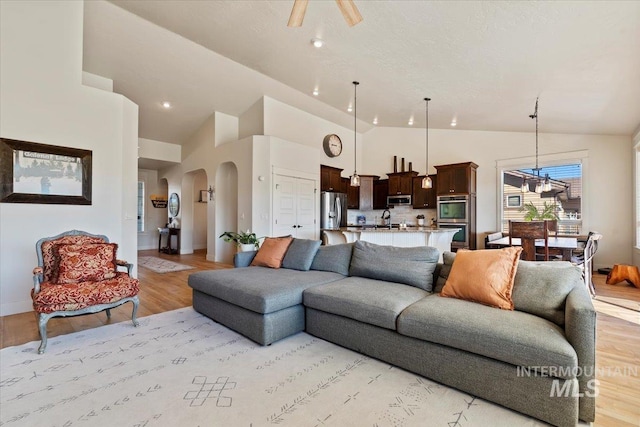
{"type": "Point", "coordinates": [349, 108]}
{"type": "Point", "coordinates": [315, 92]}
{"type": "Point", "coordinates": [317, 42]}
{"type": "Point", "coordinates": [166, 104]}
{"type": "Point", "coordinates": [453, 123]}
{"type": "Point", "coordinates": [411, 121]}
{"type": "Point", "coordinates": [375, 121]}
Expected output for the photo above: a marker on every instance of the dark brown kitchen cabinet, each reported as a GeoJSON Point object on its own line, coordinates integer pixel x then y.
{"type": "Point", "coordinates": [424, 198]}
{"type": "Point", "coordinates": [380, 193]}
{"type": "Point", "coordinates": [401, 183]}
{"type": "Point", "coordinates": [458, 178]}
{"type": "Point", "coordinates": [330, 179]}
{"type": "Point", "coordinates": [353, 194]}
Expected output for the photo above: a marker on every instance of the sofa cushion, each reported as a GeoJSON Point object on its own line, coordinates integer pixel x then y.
{"type": "Point", "coordinates": [541, 288]}
{"type": "Point", "coordinates": [86, 262]}
{"type": "Point", "coordinates": [484, 276]}
{"type": "Point", "coordinates": [272, 251]}
{"type": "Point", "coordinates": [443, 272]}
{"type": "Point", "coordinates": [411, 266]}
{"type": "Point", "coordinates": [334, 258]}
{"type": "Point", "coordinates": [513, 337]}
{"type": "Point", "coordinates": [260, 289]}
{"type": "Point", "coordinates": [300, 254]}
{"type": "Point", "coordinates": [367, 300]}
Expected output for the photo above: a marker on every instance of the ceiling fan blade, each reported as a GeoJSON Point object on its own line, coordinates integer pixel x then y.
{"type": "Point", "coordinates": [297, 13]}
{"type": "Point", "coordinates": [349, 11]}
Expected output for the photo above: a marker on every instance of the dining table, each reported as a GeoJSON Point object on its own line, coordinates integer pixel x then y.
{"type": "Point", "coordinates": [565, 244]}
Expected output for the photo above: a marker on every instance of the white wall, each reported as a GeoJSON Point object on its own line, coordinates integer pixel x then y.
{"type": "Point", "coordinates": [42, 99]}
{"type": "Point", "coordinates": [635, 147]}
{"type": "Point", "coordinates": [292, 124]}
{"type": "Point", "coordinates": [200, 211]}
{"type": "Point", "coordinates": [608, 204]}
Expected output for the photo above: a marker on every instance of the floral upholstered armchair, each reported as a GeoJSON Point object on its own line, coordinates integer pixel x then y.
{"type": "Point", "coordinates": [77, 274]}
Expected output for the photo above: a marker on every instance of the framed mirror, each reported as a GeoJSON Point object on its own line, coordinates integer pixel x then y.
{"type": "Point", "coordinates": [174, 205]}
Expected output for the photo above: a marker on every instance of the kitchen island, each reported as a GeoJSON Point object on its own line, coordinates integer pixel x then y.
{"type": "Point", "coordinates": [404, 237]}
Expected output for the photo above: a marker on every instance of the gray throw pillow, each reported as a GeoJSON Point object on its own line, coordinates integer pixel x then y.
{"type": "Point", "coordinates": [541, 288]}
{"type": "Point", "coordinates": [334, 258]}
{"type": "Point", "coordinates": [445, 269]}
{"type": "Point", "coordinates": [411, 266]}
{"type": "Point", "coordinates": [300, 254]}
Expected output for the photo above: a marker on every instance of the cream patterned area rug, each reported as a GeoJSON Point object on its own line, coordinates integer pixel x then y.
{"type": "Point", "coordinates": [160, 265]}
{"type": "Point", "coordinates": [182, 369]}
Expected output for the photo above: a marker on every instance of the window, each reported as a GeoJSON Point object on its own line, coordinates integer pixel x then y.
{"type": "Point", "coordinates": [140, 206]}
{"type": "Point", "coordinates": [564, 196]}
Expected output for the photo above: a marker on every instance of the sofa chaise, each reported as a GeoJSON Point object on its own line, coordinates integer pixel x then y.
{"type": "Point", "coordinates": [385, 302]}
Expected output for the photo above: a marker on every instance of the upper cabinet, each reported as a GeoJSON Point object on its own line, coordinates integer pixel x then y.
{"type": "Point", "coordinates": [458, 178]}
{"type": "Point", "coordinates": [401, 183]}
{"type": "Point", "coordinates": [380, 193]}
{"type": "Point", "coordinates": [424, 198]}
{"type": "Point", "coordinates": [330, 179]}
{"type": "Point", "coordinates": [353, 194]}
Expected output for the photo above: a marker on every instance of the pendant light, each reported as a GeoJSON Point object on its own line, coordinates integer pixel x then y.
{"type": "Point", "coordinates": [540, 186]}
{"type": "Point", "coordinates": [355, 179]}
{"type": "Point", "coordinates": [426, 181]}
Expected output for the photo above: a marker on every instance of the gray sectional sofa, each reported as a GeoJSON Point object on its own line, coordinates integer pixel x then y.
{"type": "Point", "coordinates": [383, 301]}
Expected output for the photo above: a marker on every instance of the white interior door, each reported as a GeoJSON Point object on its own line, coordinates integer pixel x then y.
{"type": "Point", "coordinates": [306, 209]}
{"type": "Point", "coordinates": [294, 207]}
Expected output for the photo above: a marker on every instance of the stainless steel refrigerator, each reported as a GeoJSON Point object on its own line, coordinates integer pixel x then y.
{"type": "Point", "coordinates": [333, 210]}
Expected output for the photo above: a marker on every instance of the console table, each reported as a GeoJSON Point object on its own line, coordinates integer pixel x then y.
{"type": "Point", "coordinates": [169, 247]}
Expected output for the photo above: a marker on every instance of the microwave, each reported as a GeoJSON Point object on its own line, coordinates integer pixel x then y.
{"type": "Point", "coordinates": [399, 200]}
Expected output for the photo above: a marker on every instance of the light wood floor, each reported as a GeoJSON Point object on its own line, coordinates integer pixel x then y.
{"type": "Point", "coordinates": [617, 352]}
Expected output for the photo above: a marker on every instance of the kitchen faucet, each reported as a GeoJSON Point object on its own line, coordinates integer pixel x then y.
{"type": "Point", "coordinates": [386, 216]}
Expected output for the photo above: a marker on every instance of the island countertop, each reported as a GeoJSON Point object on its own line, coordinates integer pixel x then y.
{"type": "Point", "coordinates": [409, 229]}
{"type": "Point", "coordinates": [440, 238]}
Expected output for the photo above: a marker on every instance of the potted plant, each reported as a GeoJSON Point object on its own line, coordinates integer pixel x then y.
{"type": "Point", "coordinates": [420, 219]}
{"type": "Point", "coordinates": [532, 213]}
{"type": "Point", "coordinates": [245, 240]}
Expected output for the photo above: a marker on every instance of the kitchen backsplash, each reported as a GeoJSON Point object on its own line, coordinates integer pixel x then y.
{"type": "Point", "coordinates": [398, 214]}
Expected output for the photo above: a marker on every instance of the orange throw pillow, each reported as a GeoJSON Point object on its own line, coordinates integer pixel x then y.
{"type": "Point", "coordinates": [272, 252]}
{"type": "Point", "coordinates": [484, 276]}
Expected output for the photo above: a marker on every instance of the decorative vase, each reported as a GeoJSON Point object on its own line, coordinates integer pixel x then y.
{"type": "Point", "coordinates": [421, 222]}
{"type": "Point", "coordinates": [247, 247]}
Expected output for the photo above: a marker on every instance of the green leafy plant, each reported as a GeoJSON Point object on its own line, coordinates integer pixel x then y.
{"type": "Point", "coordinates": [241, 238]}
{"type": "Point", "coordinates": [420, 216]}
{"type": "Point", "coordinates": [533, 213]}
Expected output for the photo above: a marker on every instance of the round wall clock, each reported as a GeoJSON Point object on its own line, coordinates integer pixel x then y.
{"type": "Point", "coordinates": [332, 145]}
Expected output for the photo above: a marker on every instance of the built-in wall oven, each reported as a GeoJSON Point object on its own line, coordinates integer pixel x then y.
{"type": "Point", "coordinates": [453, 212]}
{"type": "Point", "coordinates": [461, 238]}
{"type": "Point", "coordinates": [453, 209]}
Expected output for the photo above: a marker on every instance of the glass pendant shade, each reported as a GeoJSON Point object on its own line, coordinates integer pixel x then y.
{"type": "Point", "coordinates": [427, 183]}
{"type": "Point", "coordinates": [538, 186]}
{"type": "Point", "coordinates": [547, 183]}
{"type": "Point", "coordinates": [524, 188]}
{"type": "Point", "coordinates": [355, 180]}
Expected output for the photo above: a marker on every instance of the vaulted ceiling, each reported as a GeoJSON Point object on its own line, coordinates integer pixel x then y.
{"type": "Point", "coordinates": [483, 63]}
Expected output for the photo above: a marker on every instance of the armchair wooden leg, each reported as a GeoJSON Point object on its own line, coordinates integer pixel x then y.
{"type": "Point", "coordinates": [136, 303]}
{"type": "Point", "coordinates": [42, 326]}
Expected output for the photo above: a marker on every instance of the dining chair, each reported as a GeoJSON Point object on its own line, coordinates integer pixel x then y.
{"type": "Point", "coordinates": [528, 232]}
{"type": "Point", "coordinates": [585, 260]}
{"type": "Point", "coordinates": [492, 237]}
{"type": "Point", "coordinates": [333, 237]}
